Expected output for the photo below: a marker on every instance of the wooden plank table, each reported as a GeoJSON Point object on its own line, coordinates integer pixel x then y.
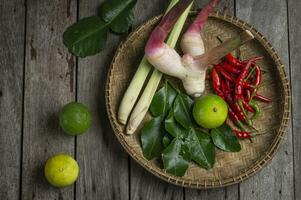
{"type": "Point", "coordinates": [39, 76]}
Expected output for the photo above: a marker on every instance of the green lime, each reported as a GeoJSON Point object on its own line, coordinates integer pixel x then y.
{"type": "Point", "coordinates": [210, 111]}
{"type": "Point", "coordinates": [75, 118]}
{"type": "Point", "coordinates": [61, 170]}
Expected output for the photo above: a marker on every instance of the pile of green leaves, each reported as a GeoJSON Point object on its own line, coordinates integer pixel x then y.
{"type": "Point", "coordinates": [173, 135]}
{"type": "Point", "coordinates": [88, 36]}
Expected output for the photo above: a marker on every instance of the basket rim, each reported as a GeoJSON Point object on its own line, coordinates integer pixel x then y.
{"type": "Point", "coordinates": [252, 169]}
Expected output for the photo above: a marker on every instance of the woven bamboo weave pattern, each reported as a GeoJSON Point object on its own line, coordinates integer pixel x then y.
{"type": "Point", "coordinates": [230, 168]}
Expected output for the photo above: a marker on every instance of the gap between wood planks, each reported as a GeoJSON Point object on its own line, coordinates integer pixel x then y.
{"type": "Point", "coordinates": [23, 99]}
{"type": "Point", "coordinates": [290, 81]}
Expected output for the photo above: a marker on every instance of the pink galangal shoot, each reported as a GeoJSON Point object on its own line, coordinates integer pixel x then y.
{"type": "Point", "coordinates": [191, 67]}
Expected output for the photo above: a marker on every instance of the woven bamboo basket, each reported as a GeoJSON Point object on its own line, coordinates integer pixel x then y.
{"type": "Point", "coordinates": [230, 168]}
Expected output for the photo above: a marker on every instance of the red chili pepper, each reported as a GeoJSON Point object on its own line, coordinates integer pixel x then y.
{"type": "Point", "coordinates": [251, 73]}
{"type": "Point", "coordinates": [225, 87]}
{"type": "Point", "coordinates": [229, 100]}
{"type": "Point", "coordinates": [230, 68]}
{"type": "Point", "coordinates": [258, 75]}
{"type": "Point", "coordinates": [231, 78]}
{"type": "Point", "coordinates": [232, 115]}
{"type": "Point", "coordinates": [242, 134]}
{"type": "Point", "coordinates": [262, 98]}
{"type": "Point", "coordinates": [247, 106]}
{"type": "Point", "coordinates": [247, 95]}
{"type": "Point", "coordinates": [228, 85]}
{"type": "Point", "coordinates": [240, 80]}
{"type": "Point", "coordinates": [241, 114]}
{"type": "Point", "coordinates": [235, 113]}
{"type": "Point", "coordinates": [238, 110]}
{"type": "Point", "coordinates": [238, 96]}
{"type": "Point", "coordinates": [235, 119]}
{"type": "Point", "coordinates": [234, 61]}
{"type": "Point", "coordinates": [247, 85]}
{"type": "Point", "coordinates": [219, 93]}
{"type": "Point", "coordinates": [216, 81]}
{"type": "Point", "coordinates": [235, 107]}
{"type": "Point", "coordinates": [224, 73]}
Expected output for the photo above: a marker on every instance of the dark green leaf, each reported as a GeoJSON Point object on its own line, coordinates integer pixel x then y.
{"type": "Point", "coordinates": [151, 138]}
{"type": "Point", "coordinates": [173, 127]}
{"type": "Point", "coordinates": [224, 138]}
{"type": "Point", "coordinates": [123, 22]}
{"type": "Point", "coordinates": [199, 147]}
{"type": "Point", "coordinates": [173, 161]}
{"type": "Point", "coordinates": [182, 110]}
{"type": "Point", "coordinates": [111, 9]}
{"type": "Point", "coordinates": [185, 148]}
{"type": "Point", "coordinates": [162, 101]}
{"type": "Point", "coordinates": [86, 37]}
{"type": "Point", "coordinates": [166, 140]}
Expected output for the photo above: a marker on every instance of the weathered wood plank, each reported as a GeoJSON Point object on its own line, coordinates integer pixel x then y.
{"type": "Point", "coordinates": [227, 193]}
{"type": "Point", "coordinates": [222, 193]}
{"type": "Point", "coordinates": [224, 5]}
{"type": "Point", "coordinates": [49, 84]}
{"type": "Point", "coordinates": [12, 23]}
{"type": "Point", "coordinates": [143, 184]}
{"type": "Point", "coordinates": [103, 161]}
{"type": "Point", "coordinates": [145, 10]}
{"type": "Point", "coordinates": [276, 180]}
{"type": "Point", "coordinates": [294, 7]}
{"type": "Point", "coordinates": [146, 186]}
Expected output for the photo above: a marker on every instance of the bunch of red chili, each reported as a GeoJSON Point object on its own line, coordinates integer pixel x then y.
{"type": "Point", "coordinates": [237, 82]}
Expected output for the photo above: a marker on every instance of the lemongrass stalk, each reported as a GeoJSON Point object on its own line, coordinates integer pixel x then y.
{"type": "Point", "coordinates": [132, 92]}
{"type": "Point", "coordinates": [131, 95]}
{"type": "Point", "coordinates": [151, 87]}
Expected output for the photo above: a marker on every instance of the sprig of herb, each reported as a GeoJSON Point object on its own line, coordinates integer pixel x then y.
{"type": "Point", "coordinates": [88, 36]}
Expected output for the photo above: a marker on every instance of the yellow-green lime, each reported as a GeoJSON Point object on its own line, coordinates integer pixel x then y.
{"type": "Point", "coordinates": [210, 111]}
{"type": "Point", "coordinates": [61, 170]}
{"type": "Point", "coordinates": [75, 118]}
